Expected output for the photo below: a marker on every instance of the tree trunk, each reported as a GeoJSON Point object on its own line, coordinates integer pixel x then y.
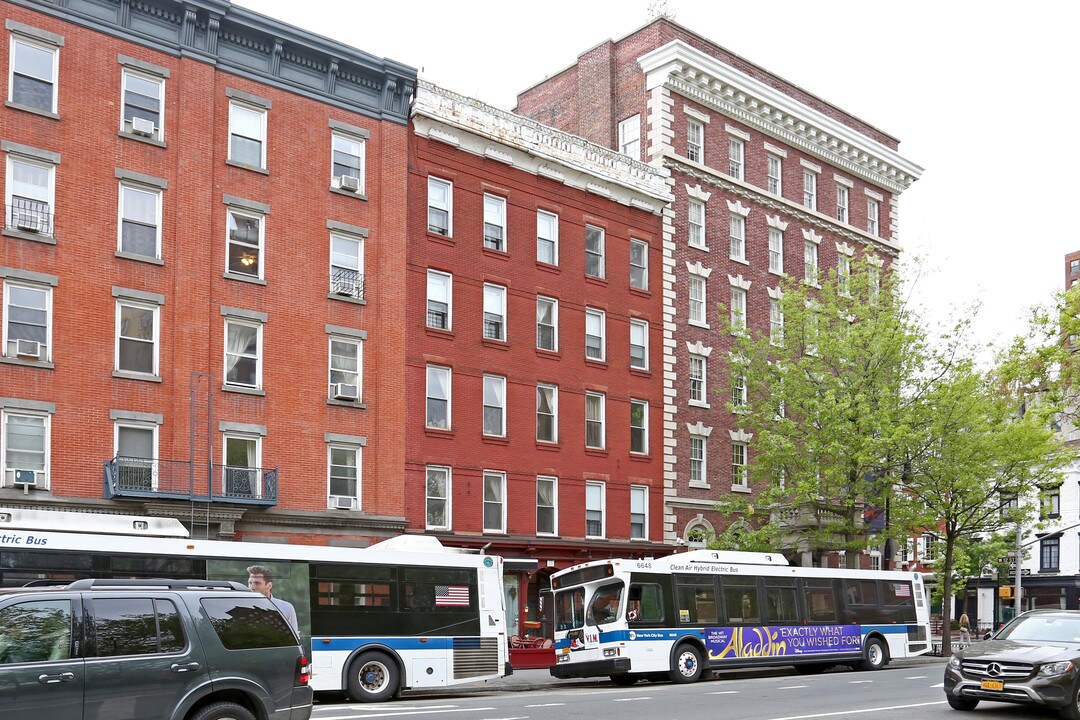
{"type": "Point", "coordinates": [946, 598]}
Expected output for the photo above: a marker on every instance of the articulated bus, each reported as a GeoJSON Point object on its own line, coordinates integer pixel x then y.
{"type": "Point", "coordinates": [404, 613]}
{"type": "Point", "coordinates": [681, 615]}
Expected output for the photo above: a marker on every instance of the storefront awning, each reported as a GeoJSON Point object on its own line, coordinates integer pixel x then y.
{"type": "Point", "coordinates": [520, 564]}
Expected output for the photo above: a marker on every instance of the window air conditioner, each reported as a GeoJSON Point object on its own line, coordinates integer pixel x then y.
{"type": "Point", "coordinates": [25, 477]}
{"type": "Point", "coordinates": [340, 502]}
{"type": "Point", "coordinates": [28, 349]}
{"type": "Point", "coordinates": [346, 392]}
{"type": "Point", "coordinates": [350, 183]}
{"type": "Point", "coordinates": [142, 126]}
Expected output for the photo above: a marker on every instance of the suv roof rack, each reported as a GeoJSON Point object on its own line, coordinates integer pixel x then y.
{"type": "Point", "coordinates": [163, 583]}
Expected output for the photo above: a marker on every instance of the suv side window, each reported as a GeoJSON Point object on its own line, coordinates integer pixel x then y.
{"type": "Point", "coordinates": [243, 623]}
{"type": "Point", "coordinates": [132, 626]}
{"type": "Point", "coordinates": [35, 631]}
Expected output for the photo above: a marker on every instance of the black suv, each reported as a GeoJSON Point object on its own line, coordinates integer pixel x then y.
{"type": "Point", "coordinates": [153, 649]}
{"type": "Point", "coordinates": [1034, 660]}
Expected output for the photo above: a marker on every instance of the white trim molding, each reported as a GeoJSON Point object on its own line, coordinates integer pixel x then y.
{"type": "Point", "coordinates": [698, 428]}
{"type": "Point", "coordinates": [698, 348]}
{"type": "Point", "coordinates": [739, 281]}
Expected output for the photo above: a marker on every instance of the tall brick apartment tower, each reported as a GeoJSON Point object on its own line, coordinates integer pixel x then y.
{"type": "Point", "coordinates": [202, 261]}
{"type": "Point", "coordinates": [767, 180]}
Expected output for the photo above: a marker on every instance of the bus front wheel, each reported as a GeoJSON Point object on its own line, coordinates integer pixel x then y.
{"type": "Point", "coordinates": [875, 656]}
{"type": "Point", "coordinates": [687, 665]}
{"type": "Point", "coordinates": [373, 677]}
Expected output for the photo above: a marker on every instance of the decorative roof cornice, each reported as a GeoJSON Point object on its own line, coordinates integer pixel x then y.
{"type": "Point", "coordinates": [481, 129]}
{"type": "Point", "coordinates": [695, 75]}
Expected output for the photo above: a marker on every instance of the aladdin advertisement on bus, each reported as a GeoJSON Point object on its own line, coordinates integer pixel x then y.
{"type": "Point", "coordinates": [781, 641]}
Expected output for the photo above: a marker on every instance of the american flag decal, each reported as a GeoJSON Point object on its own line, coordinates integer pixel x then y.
{"type": "Point", "coordinates": [451, 595]}
{"type": "Point", "coordinates": [902, 590]}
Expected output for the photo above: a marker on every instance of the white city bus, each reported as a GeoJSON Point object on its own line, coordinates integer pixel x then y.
{"type": "Point", "coordinates": [404, 613]}
{"type": "Point", "coordinates": [680, 615]}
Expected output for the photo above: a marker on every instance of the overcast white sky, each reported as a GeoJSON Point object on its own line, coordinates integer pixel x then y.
{"type": "Point", "coordinates": [977, 92]}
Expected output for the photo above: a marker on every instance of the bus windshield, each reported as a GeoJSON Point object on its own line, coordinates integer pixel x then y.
{"type": "Point", "coordinates": [605, 605]}
{"type": "Point", "coordinates": [570, 609]}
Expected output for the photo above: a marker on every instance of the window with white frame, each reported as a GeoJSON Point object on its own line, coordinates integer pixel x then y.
{"type": "Point", "coordinates": [494, 501]}
{"type": "Point", "coordinates": [594, 251]}
{"type": "Point", "coordinates": [875, 560]}
{"type": "Point", "coordinates": [439, 299]}
{"type": "Point", "coordinates": [639, 427]}
{"type": "Point", "coordinates": [809, 189]}
{"type": "Point", "coordinates": [244, 245]}
{"type": "Point", "coordinates": [843, 274]}
{"type": "Point", "coordinates": [841, 203]}
{"type": "Point", "coordinates": [875, 281]}
{"type": "Point", "coordinates": [698, 369]}
{"type": "Point", "coordinates": [547, 323]}
{"type": "Point", "coordinates": [143, 99]}
{"type": "Point", "coordinates": [639, 344]}
{"type": "Point", "coordinates": [27, 321]}
{"type": "Point", "coordinates": [30, 194]}
{"type": "Point", "coordinates": [343, 471]}
{"type": "Point", "coordinates": [776, 322]}
{"type": "Point", "coordinates": [639, 264]}
{"type": "Point", "coordinates": [639, 512]}
{"type": "Point", "coordinates": [437, 498]}
{"type": "Point", "coordinates": [547, 237]}
{"type": "Point", "coordinates": [697, 460]}
{"type": "Point", "coordinates": [929, 548]}
{"type": "Point", "coordinates": [697, 299]}
{"type": "Point", "coordinates": [347, 265]}
{"type": "Point", "coordinates": [594, 509]}
{"type": "Point", "coordinates": [547, 413]}
{"type": "Point", "coordinates": [736, 151]}
{"type": "Point", "coordinates": [738, 308]}
{"type": "Point", "coordinates": [630, 137]}
{"type": "Point", "coordinates": [774, 171]}
{"type": "Point", "coordinates": [695, 140]}
{"type": "Point", "coordinates": [26, 448]}
{"type": "Point", "coordinates": [140, 221]}
{"type": "Point", "coordinates": [810, 262]}
{"type": "Point", "coordinates": [494, 222]}
{"type": "Point", "coordinates": [595, 346]}
{"type": "Point", "coordinates": [494, 405]}
{"type": "Point", "coordinates": [347, 163]}
{"type": "Point", "coordinates": [243, 353]}
{"type": "Point", "coordinates": [494, 312]}
{"type": "Point", "coordinates": [35, 67]}
{"type": "Point", "coordinates": [241, 476]}
{"type": "Point", "coordinates": [136, 455]}
{"type": "Point", "coordinates": [776, 251]}
{"type": "Point", "coordinates": [247, 135]}
{"type": "Point", "coordinates": [696, 210]}
{"type": "Point", "coordinates": [346, 368]}
{"type": "Point", "coordinates": [137, 337]}
{"type": "Point", "coordinates": [437, 412]}
{"type": "Point", "coordinates": [594, 420]}
{"type": "Point", "coordinates": [872, 216]}
{"type": "Point", "coordinates": [738, 237]}
{"type": "Point", "coordinates": [738, 392]}
{"type": "Point", "coordinates": [740, 476]}
{"type": "Point", "coordinates": [440, 211]}
{"type": "Point", "coordinates": [547, 494]}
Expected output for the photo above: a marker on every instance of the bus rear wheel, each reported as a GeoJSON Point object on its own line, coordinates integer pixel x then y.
{"type": "Point", "coordinates": [875, 656]}
{"type": "Point", "coordinates": [687, 665]}
{"type": "Point", "coordinates": [373, 677]}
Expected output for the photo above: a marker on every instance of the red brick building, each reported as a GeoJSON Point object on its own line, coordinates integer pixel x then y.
{"type": "Point", "coordinates": [534, 364]}
{"type": "Point", "coordinates": [767, 180]}
{"type": "Point", "coordinates": [201, 258]}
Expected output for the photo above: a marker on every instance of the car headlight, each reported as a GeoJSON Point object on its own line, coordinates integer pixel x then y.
{"type": "Point", "coordinates": [954, 662]}
{"type": "Point", "coordinates": [1055, 668]}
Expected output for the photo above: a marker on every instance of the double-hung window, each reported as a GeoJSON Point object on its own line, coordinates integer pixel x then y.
{"type": "Point", "coordinates": [738, 392]}
{"type": "Point", "coordinates": [547, 494]}
{"type": "Point", "coordinates": [242, 476]}
{"type": "Point", "coordinates": [495, 405]}
{"type": "Point", "coordinates": [841, 203]}
{"type": "Point", "coordinates": [494, 312]}
{"type": "Point", "coordinates": [247, 135]}
{"type": "Point", "coordinates": [697, 299]}
{"type": "Point", "coordinates": [594, 420]}
{"type": "Point", "coordinates": [495, 222]}
{"type": "Point", "coordinates": [872, 216]}
{"type": "Point", "coordinates": [437, 495]}
{"type": "Point", "coordinates": [594, 509]}
{"type": "Point", "coordinates": [594, 334]}
{"type": "Point", "coordinates": [346, 366]}
{"type": "Point", "coordinates": [494, 501]}
{"type": "Point", "coordinates": [776, 251]}
{"type": "Point", "coordinates": [639, 344]}
{"type": "Point", "coordinates": [244, 244]}
{"type": "Point", "coordinates": [810, 262]}
{"type": "Point", "coordinates": [594, 251]}
{"type": "Point", "coordinates": [697, 460]}
{"type": "Point", "coordinates": [547, 237]}
{"type": "Point", "coordinates": [346, 266]}
{"type": "Point", "coordinates": [347, 162]}
{"type": "Point", "coordinates": [738, 308]}
{"type": "Point", "coordinates": [809, 192]}
{"type": "Point", "coordinates": [437, 412]}
{"type": "Point", "coordinates": [696, 218]}
{"type": "Point", "coordinates": [639, 512]}
{"type": "Point", "coordinates": [738, 237]}
{"type": "Point", "coordinates": [776, 322]}
{"type": "Point", "coordinates": [29, 192]}
{"type": "Point", "coordinates": [695, 140]}
{"type": "Point", "coordinates": [26, 448]}
{"type": "Point", "coordinates": [35, 67]}
{"type": "Point", "coordinates": [140, 221]}
{"type": "Point", "coordinates": [137, 333]}
{"type": "Point", "coordinates": [440, 213]}
{"type": "Point", "coordinates": [243, 353]}
{"type": "Point", "coordinates": [697, 379]}
{"type": "Point", "coordinates": [343, 476]}
{"type": "Point", "coordinates": [143, 101]}
{"type": "Point", "coordinates": [639, 427]}
{"type": "Point", "coordinates": [547, 413]}
{"type": "Point", "coordinates": [136, 455]}
{"type": "Point", "coordinates": [843, 274]}
{"type": "Point", "coordinates": [639, 264]}
{"type": "Point", "coordinates": [739, 476]}
{"type": "Point", "coordinates": [1050, 554]}
{"type": "Point", "coordinates": [439, 299]}
{"type": "Point", "coordinates": [630, 137]}
{"type": "Point", "coordinates": [774, 173]}
{"type": "Point", "coordinates": [736, 151]}
{"type": "Point", "coordinates": [27, 321]}
{"type": "Point", "coordinates": [547, 323]}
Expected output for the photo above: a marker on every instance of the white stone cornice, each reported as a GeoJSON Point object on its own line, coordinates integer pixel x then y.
{"type": "Point", "coordinates": [732, 130]}
{"type": "Point", "coordinates": [698, 428]}
{"type": "Point", "coordinates": [696, 268]}
{"type": "Point", "coordinates": [739, 281]}
{"type": "Point", "coordinates": [875, 260]}
{"type": "Point", "coordinates": [698, 348]}
{"type": "Point", "coordinates": [811, 236]}
{"type": "Point", "coordinates": [498, 155]}
{"type": "Point", "coordinates": [775, 293]}
{"type": "Point", "coordinates": [711, 83]}
{"type": "Point", "coordinates": [778, 151]}
{"type": "Point", "coordinates": [697, 193]}
{"type": "Point", "coordinates": [845, 249]}
{"type": "Point", "coordinates": [841, 180]}
{"type": "Point", "coordinates": [695, 113]}
{"type": "Point", "coordinates": [812, 167]}
{"type": "Point", "coordinates": [740, 435]}
{"type": "Point", "coordinates": [738, 208]}
{"type": "Point", "coordinates": [873, 195]}
{"type": "Point", "coordinates": [775, 221]}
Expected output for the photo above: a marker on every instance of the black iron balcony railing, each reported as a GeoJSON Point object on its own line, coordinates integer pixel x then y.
{"type": "Point", "coordinates": [30, 216]}
{"type": "Point", "coordinates": [349, 283]}
{"type": "Point", "coordinates": [127, 477]}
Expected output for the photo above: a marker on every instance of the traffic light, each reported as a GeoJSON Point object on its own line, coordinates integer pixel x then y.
{"type": "Point", "coordinates": [1005, 592]}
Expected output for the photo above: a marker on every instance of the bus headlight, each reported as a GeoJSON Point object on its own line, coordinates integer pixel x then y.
{"type": "Point", "coordinates": [611, 652]}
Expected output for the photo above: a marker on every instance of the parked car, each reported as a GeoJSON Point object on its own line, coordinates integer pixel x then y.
{"type": "Point", "coordinates": [1034, 660]}
{"type": "Point", "coordinates": [149, 649]}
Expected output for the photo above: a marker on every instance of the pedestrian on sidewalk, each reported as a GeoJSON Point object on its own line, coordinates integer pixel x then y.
{"type": "Point", "coordinates": [965, 629]}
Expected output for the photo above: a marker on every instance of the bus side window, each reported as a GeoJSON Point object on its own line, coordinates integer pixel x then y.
{"type": "Point", "coordinates": [741, 601]}
{"type": "Point", "coordinates": [820, 601]}
{"type": "Point", "coordinates": [780, 601]}
{"type": "Point", "coordinates": [645, 604]}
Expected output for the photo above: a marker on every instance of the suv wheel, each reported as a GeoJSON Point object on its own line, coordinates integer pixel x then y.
{"type": "Point", "coordinates": [959, 703]}
{"type": "Point", "coordinates": [223, 711]}
{"type": "Point", "coordinates": [1072, 710]}
{"type": "Point", "coordinates": [373, 677]}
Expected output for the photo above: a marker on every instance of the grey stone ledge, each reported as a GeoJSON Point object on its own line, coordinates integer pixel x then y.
{"type": "Point", "coordinates": [143, 417]}
{"type": "Point", "coordinates": [244, 204]}
{"type": "Point", "coordinates": [142, 295]}
{"type": "Point", "coordinates": [241, 314]}
{"type": "Point", "coordinates": [345, 331]}
{"type": "Point", "coordinates": [31, 152]}
{"type": "Point", "coordinates": [29, 276]}
{"type": "Point", "coordinates": [142, 179]}
{"type": "Point", "coordinates": [350, 129]}
{"type": "Point", "coordinates": [225, 426]}
{"type": "Point", "coordinates": [339, 439]}
{"type": "Point", "coordinates": [146, 67]}
{"type": "Point", "coordinates": [346, 228]}
{"type": "Point", "coordinates": [246, 97]}
{"type": "Point", "coordinates": [32, 405]}
{"type": "Point", "coordinates": [32, 32]}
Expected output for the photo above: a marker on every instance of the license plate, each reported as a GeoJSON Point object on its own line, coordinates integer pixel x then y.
{"type": "Point", "coordinates": [993, 685]}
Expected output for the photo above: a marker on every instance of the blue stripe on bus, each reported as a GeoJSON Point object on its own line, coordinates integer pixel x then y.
{"type": "Point", "coordinates": [395, 643]}
{"type": "Point", "coordinates": [673, 635]}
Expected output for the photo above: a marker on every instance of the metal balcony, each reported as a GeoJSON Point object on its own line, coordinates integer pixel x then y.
{"type": "Point", "coordinates": [348, 283]}
{"type": "Point", "coordinates": [30, 216]}
{"type": "Point", "coordinates": [144, 479]}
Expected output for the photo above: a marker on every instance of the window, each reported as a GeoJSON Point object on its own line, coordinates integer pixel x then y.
{"type": "Point", "coordinates": [695, 141]}
{"type": "Point", "coordinates": [34, 68]}
{"type": "Point", "coordinates": [639, 512]}
{"type": "Point", "coordinates": [26, 448]}
{"type": "Point", "coordinates": [438, 498]}
{"type": "Point", "coordinates": [547, 413]}
{"type": "Point", "coordinates": [243, 458]}
{"type": "Point", "coordinates": [639, 264]}
{"type": "Point", "coordinates": [494, 501]}
{"type": "Point", "coordinates": [809, 189]}
{"type": "Point", "coordinates": [639, 344]}
{"type": "Point", "coordinates": [738, 237]}
{"type": "Point", "coordinates": [739, 476]}
{"type": "Point", "coordinates": [30, 189]}
{"type": "Point", "coordinates": [547, 492]}
{"type": "Point", "coordinates": [697, 223]}
{"type": "Point", "coordinates": [929, 549]}
{"type": "Point", "coordinates": [243, 353]}
{"type": "Point", "coordinates": [347, 159]}
{"type": "Point", "coordinates": [547, 323]}
{"type": "Point", "coordinates": [343, 468]}
{"type": "Point", "coordinates": [247, 135]}
{"type": "Point", "coordinates": [1050, 554]}
{"type": "Point", "coordinates": [774, 173]}
{"type": "Point", "coordinates": [639, 427]}
{"type": "Point", "coordinates": [776, 251]}
{"type": "Point", "coordinates": [594, 509]}
{"type": "Point", "coordinates": [842, 203]}
{"type": "Point", "coordinates": [875, 560]}
{"type": "Point", "coordinates": [738, 308]}
{"type": "Point", "coordinates": [738, 392]}
{"type": "Point", "coordinates": [547, 237]}
{"type": "Point", "coordinates": [594, 334]}
{"type": "Point", "coordinates": [810, 266]}
{"type": "Point", "coordinates": [136, 337]}
{"type": "Point", "coordinates": [437, 414]}
{"type": "Point", "coordinates": [494, 405]}
{"type": "Point", "coordinates": [346, 369]}
{"type": "Point", "coordinates": [594, 251]}
{"type": "Point", "coordinates": [776, 322]}
{"type": "Point", "coordinates": [143, 97]}
{"type": "Point", "coordinates": [495, 222]}
{"type": "Point", "coordinates": [697, 460]}
{"type": "Point", "coordinates": [594, 420]}
{"type": "Point", "coordinates": [244, 245]}
{"type": "Point", "coordinates": [630, 137]}
{"type": "Point", "coordinates": [494, 312]}
{"type": "Point", "coordinates": [27, 321]}
{"type": "Point", "coordinates": [697, 300]}
{"type": "Point", "coordinates": [136, 456]}
{"type": "Point", "coordinates": [440, 207]}
{"type": "Point", "coordinates": [843, 274]}
{"type": "Point", "coordinates": [735, 158]}
{"type": "Point", "coordinates": [439, 295]}
{"type": "Point", "coordinates": [1051, 505]}
{"type": "Point", "coordinates": [872, 217]}
{"type": "Point", "coordinates": [347, 266]}
{"type": "Point", "coordinates": [697, 379]}
{"type": "Point", "coordinates": [140, 221]}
